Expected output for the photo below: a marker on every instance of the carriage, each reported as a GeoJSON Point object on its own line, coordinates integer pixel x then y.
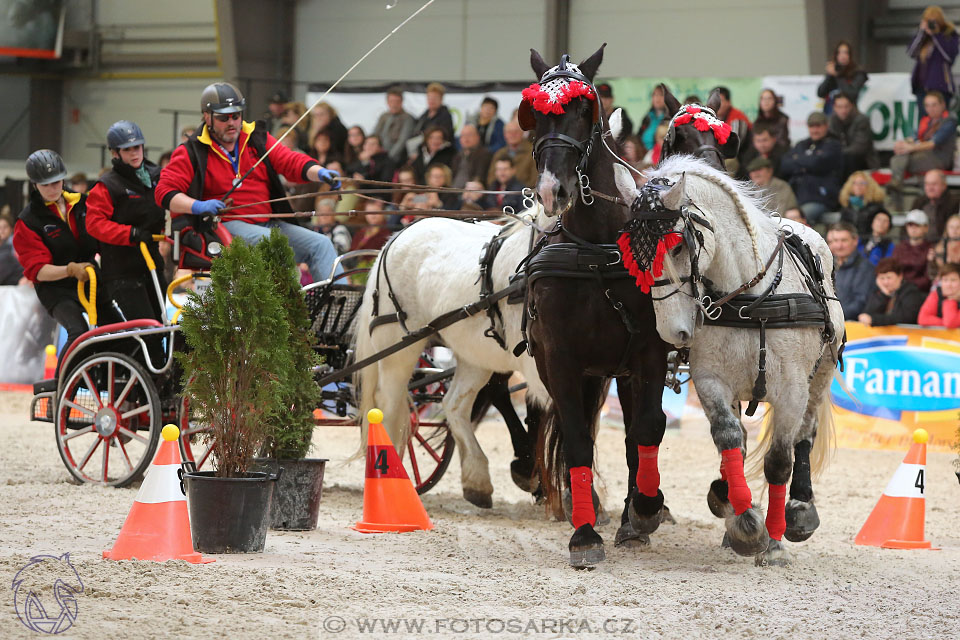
{"type": "Point", "coordinates": [119, 383]}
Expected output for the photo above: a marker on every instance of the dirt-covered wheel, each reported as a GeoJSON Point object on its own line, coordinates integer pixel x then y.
{"type": "Point", "coordinates": [430, 448]}
{"type": "Point", "coordinates": [107, 420]}
{"type": "Point", "coordinates": [195, 443]}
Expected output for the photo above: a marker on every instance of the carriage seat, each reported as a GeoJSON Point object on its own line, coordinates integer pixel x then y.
{"type": "Point", "coordinates": [144, 323]}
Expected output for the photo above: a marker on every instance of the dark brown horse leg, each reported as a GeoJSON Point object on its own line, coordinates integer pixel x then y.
{"type": "Point", "coordinates": [647, 429]}
{"type": "Point", "coordinates": [626, 534]}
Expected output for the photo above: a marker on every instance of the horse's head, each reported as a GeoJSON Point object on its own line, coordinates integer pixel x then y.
{"type": "Point", "coordinates": [563, 111]}
{"type": "Point", "coordinates": [663, 235]}
{"type": "Point", "coordinates": [695, 130]}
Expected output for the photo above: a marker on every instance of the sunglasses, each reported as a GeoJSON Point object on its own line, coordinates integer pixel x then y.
{"type": "Point", "coordinates": [227, 117]}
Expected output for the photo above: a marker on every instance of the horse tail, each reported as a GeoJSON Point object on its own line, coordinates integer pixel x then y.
{"type": "Point", "coordinates": [753, 464]}
{"type": "Point", "coordinates": [365, 380]}
{"type": "Point", "coordinates": [826, 440]}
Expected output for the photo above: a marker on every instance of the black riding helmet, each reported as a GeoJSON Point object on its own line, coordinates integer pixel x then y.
{"type": "Point", "coordinates": [45, 166]}
{"type": "Point", "coordinates": [222, 97]}
{"type": "Point", "coordinates": [124, 134]}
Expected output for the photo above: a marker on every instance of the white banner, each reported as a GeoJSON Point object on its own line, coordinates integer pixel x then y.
{"type": "Point", "coordinates": [886, 100]}
{"type": "Point", "coordinates": [365, 108]}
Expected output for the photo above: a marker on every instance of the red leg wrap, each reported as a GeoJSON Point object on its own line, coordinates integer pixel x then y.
{"type": "Point", "coordinates": [776, 516]}
{"type": "Point", "coordinates": [581, 483]}
{"type": "Point", "coordinates": [737, 492]}
{"type": "Point", "coordinates": [648, 476]}
{"type": "Point", "coordinates": [723, 471]}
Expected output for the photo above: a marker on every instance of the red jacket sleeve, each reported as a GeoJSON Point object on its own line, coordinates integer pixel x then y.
{"type": "Point", "coordinates": [292, 165]}
{"type": "Point", "coordinates": [928, 312]}
{"type": "Point", "coordinates": [951, 315]}
{"type": "Point", "coordinates": [175, 177]}
{"type": "Point", "coordinates": [100, 222]}
{"type": "Point", "coordinates": [31, 252]}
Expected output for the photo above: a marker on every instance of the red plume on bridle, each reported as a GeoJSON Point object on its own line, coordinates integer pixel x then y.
{"type": "Point", "coordinates": [702, 121]}
{"type": "Point", "coordinates": [553, 101]}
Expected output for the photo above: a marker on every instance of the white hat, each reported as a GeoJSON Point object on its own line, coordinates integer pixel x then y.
{"type": "Point", "coordinates": [917, 216]}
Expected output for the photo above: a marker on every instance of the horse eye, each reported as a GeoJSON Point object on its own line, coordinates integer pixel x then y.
{"type": "Point", "coordinates": [676, 250]}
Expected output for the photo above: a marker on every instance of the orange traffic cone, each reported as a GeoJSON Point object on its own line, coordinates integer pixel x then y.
{"type": "Point", "coordinates": [897, 520]}
{"type": "Point", "coordinates": [390, 501]}
{"type": "Point", "coordinates": [158, 525]}
{"type": "Point", "coordinates": [50, 363]}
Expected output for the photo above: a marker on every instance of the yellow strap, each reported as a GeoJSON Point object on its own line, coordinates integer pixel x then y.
{"type": "Point", "coordinates": [147, 257]}
{"type": "Point", "coordinates": [90, 305]}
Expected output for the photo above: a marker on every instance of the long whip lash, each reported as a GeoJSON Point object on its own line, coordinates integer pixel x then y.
{"type": "Point", "coordinates": [325, 93]}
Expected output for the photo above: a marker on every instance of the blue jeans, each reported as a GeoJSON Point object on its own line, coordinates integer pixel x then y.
{"type": "Point", "coordinates": [308, 246]}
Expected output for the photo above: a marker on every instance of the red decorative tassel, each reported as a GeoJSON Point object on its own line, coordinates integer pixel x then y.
{"type": "Point", "coordinates": [683, 118]}
{"type": "Point", "coordinates": [628, 260]}
{"type": "Point", "coordinates": [737, 490]}
{"type": "Point", "coordinates": [721, 132]}
{"type": "Point", "coordinates": [648, 475]}
{"type": "Point", "coordinates": [541, 100]}
{"type": "Point", "coordinates": [776, 511]}
{"type": "Point", "coordinates": [700, 124]}
{"type": "Point", "coordinates": [692, 109]}
{"type": "Point", "coordinates": [581, 483]}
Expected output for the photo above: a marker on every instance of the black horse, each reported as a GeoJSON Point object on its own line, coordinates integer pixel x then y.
{"type": "Point", "coordinates": [587, 322]}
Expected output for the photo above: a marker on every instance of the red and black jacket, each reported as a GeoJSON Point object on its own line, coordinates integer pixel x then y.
{"type": "Point", "coordinates": [116, 203]}
{"type": "Point", "coordinates": [43, 237]}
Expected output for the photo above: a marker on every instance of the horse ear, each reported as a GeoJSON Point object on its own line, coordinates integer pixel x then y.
{"type": "Point", "coordinates": [713, 102]}
{"type": "Point", "coordinates": [673, 105]}
{"type": "Point", "coordinates": [589, 66]}
{"type": "Point", "coordinates": [676, 196]}
{"type": "Point", "coordinates": [625, 182]}
{"type": "Point", "coordinates": [536, 62]}
{"type": "Point", "coordinates": [616, 122]}
{"type": "Point", "coordinates": [732, 146]}
{"type": "Point", "coordinates": [525, 116]}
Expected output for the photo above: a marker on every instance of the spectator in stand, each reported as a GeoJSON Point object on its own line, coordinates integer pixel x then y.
{"type": "Point", "coordinates": [323, 117]}
{"type": "Point", "coordinates": [778, 193]}
{"type": "Point", "coordinates": [354, 145]}
{"type": "Point", "coordinates": [854, 273]}
{"type": "Point", "coordinates": [773, 120]}
{"type": "Point", "coordinates": [605, 91]}
{"type": "Point", "coordinates": [763, 145]}
{"type": "Point", "coordinates": [653, 155]}
{"type": "Point", "coordinates": [395, 126]}
{"type": "Point", "coordinates": [934, 48]}
{"type": "Point", "coordinates": [937, 202]}
{"type": "Point", "coordinates": [405, 176]}
{"type": "Point", "coordinates": [877, 246]}
{"type": "Point", "coordinates": [518, 149]}
{"type": "Point", "coordinates": [434, 150]}
{"type": "Point", "coordinates": [78, 183]}
{"type": "Point", "coordinates": [852, 129]}
{"type": "Point", "coordinates": [860, 198]}
{"type": "Point", "coordinates": [894, 301]}
{"type": "Point", "coordinates": [796, 215]}
{"type": "Point", "coordinates": [947, 248]}
{"type": "Point", "coordinates": [844, 77]}
{"type": "Point", "coordinates": [940, 308]}
{"type": "Point", "coordinates": [505, 181]}
{"type": "Point", "coordinates": [326, 223]}
{"type": "Point", "coordinates": [656, 115]}
{"type": "Point", "coordinates": [472, 162]}
{"type": "Point", "coordinates": [11, 273]}
{"type": "Point", "coordinates": [437, 114]}
{"type": "Point", "coordinates": [439, 176]}
{"type": "Point", "coordinates": [692, 99]}
{"type": "Point", "coordinates": [164, 159]}
{"type": "Point", "coordinates": [489, 126]}
{"type": "Point", "coordinates": [187, 132]}
{"type": "Point", "coordinates": [375, 234]}
{"type": "Point", "coordinates": [321, 149]}
{"type": "Point", "coordinates": [374, 163]}
{"type": "Point", "coordinates": [914, 252]}
{"type": "Point", "coordinates": [278, 104]}
{"type": "Point", "coordinates": [933, 148]}
{"type": "Point", "coordinates": [289, 137]}
{"type": "Point", "coordinates": [292, 113]}
{"type": "Point", "coordinates": [813, 169]}
{"type": "Point", "coordinates": [740, 124]}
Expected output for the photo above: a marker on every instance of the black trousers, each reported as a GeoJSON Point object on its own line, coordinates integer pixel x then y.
{"type": "Point", "coordinates": [137, 300]}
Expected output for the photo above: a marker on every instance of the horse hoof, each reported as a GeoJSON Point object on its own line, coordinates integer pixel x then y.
{"type": "Point", "coordinates": [521, 471]}
{"type": "Point", "coordinates": [802, 520]}
{"type": "Point", "coordinates": [776, 555]}
{"type": "Point", "coordinates": [748, 533]}
{"type": "Point", "coordinates": [586, 548]}
{"type": "Point", "coordinates": [725, 543]}
{"type": "Point", "coordinates": [666, 516]}
{"type": "Point", "coordinates": [646, 512]}
{"type": "Point", "coordinates": [567, 500]}
{"type": "Point", "coordinates": [482, 500]}
{"type": "Point", "coordinates": [629, 537]}
{"type": "Point", "coordinates": [717, 499]}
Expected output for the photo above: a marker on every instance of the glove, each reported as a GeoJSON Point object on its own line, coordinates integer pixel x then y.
{"type": "Point", "coordinates": [329, 176]}
{"type": "Point", "coordinates": [206, 207]}
{"type": "Point", "coordinates": [78, 270]}
{"type": "Point", "coordinates": [139, 234]}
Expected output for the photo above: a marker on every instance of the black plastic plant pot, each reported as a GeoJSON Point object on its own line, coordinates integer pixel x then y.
{"type": "Point", "coordinates": [296, 499]}
{"type": "Point", "coordinates": [229, 515]}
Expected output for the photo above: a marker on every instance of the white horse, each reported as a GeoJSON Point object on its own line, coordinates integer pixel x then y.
{"type": "Point", "coordinates": [433, 267]}
{"type": "Point", "coordinates": [733, 239]}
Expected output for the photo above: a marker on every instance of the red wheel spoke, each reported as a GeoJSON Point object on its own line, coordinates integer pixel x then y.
{"type": "Point", "coordinates": [190, 431]}
{"type": "Point", "coordinates": [93, 389]}
{"type": "Point", "coordinates": [109, 382]}
{"type": "Point", "coordinates": [126, 456]}
{"type": "Point", "coordinates": [84, 410]}
{"type": "Point", "coordinates": [206, 454]}
{"type": "Point", "coordinates": [106, 459]}
{"type": "Point", "coordinates": [427, 446]}
{"type": "Point", "coordinates": [77, 433]}
{"type": "Point", "coordinates": [126, 390]}
{"type": "Point", "coordinates": [134, 412]}
{"type": "Point", "coordinates": [413, 463]}
{"type": "Point", "coordinates": [134, 435]}
{"type": "Point", "coordinates": [89, 453]}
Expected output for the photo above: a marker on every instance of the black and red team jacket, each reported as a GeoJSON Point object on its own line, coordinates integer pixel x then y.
{"type": "Point", "coordinates": [43, 235]}
{"type": "Point", "coordinates": [200, 169]}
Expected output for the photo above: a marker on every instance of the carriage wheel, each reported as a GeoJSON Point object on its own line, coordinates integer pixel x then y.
{"type": "Point", "coordinates": [107, 420]}
{"type": "Point", "coordinates": [430, 448]}
{"type": "Point", "coordinates": [194, 444]}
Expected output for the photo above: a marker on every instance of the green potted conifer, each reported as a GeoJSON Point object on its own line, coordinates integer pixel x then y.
{"type": "Point", "coordinates": [238, 346]}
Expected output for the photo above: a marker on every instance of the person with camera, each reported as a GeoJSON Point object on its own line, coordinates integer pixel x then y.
{"type": "Point", "coordinates": [843, 78]}
{"type": "Point", "coordinates": [934, 48]}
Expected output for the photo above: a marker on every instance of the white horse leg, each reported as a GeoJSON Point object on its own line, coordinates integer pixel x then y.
{"type": "Point", "coordinates": [745, 528]}
{"type": "Point", "coordinates": [457, 405]}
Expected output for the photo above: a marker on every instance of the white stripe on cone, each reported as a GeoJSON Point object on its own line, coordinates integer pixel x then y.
{"type": "Point", "coordinates": [907, 482]}
{"type": "Point", "coordinates": [160, 484]}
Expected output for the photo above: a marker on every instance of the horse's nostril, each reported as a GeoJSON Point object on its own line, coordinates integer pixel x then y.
{"type": "Point", "coordinates": [684, 337]}
{"type": "Point", "coordinates": [561, 192]}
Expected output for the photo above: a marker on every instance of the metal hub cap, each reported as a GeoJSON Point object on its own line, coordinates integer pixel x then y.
{"type": "Point", "coordinates": [106, 421]}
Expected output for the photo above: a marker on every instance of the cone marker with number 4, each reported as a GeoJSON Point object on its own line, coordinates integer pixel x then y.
{"type": "Point", "coordinates": [390, 501]}
{"type": "Point", "coordinates": [897, 521]}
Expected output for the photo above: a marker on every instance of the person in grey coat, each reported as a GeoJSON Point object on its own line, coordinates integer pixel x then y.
{"type": "Point", "coordinates": [852, 129]}
{"type": "Point", "coordinates": [854, 273]}
{"type": "Point", "coordinates": [395, 126]}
